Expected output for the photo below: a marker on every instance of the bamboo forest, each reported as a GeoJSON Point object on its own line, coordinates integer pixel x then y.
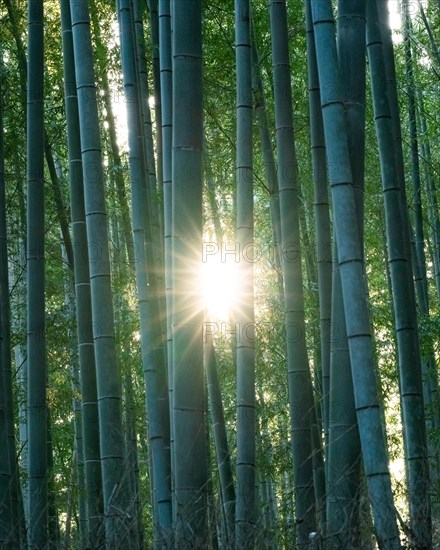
{"type": "Point", "coordinates": [219, 274]}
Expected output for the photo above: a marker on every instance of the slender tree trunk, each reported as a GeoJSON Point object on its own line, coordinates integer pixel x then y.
{"type": "Point", "coordinates": [132, 458]}
{"type": "Point", "coordinates": [431, 194]}
{"type": "Point", "coordinates": [52, 512]}
{"type": "Point", "coordinates": [403, 299]}
{"type": "Point", "coordinates": [9, 504]}
{"type": "Point", "coordinates": [211, 188]}
{"type": "Point", "coordinates": [147, 130]}
{"type": "Point", "coordinates": [270, 168]}
{"type": "Point", "coordinates": [166, 130]}
{"type": "Point", "coordinates": [344, 445]}
{"type": "Point", "coordinates": [36, 345]}
{"type": "Point", "coordinates": [390, 70]}
{"type": "Point", "coordinates": [430, 379]}
{"type": "Point", "coordinates": [220, 440]}
{"type": "Point", "coordinates": [190, 462]}
{"type": "Point", "coordinates": [343, 457]}
{"type": "Point", "coordinates": [78, 461]}
{"type": "Point", "coordinates": [322, 219]}
{"type": "Point", "coordinates": [166, 87]}
{"type": "Point", "coordinates": [154, 241]}
{"type": "Point", "coordinates": [107, 371]}
{"type": "Point", "coordinates": [86, 353]}
{"type": "Point", "coordinates": [152, 358]}
{"type": "Point", "coordinates": [118, 168]}
{"type": "Point", "coordinates": [245, 514]}
{"type": "Point", "coordinates": [18, 324]}
{"type": "Point", "coordinates": [351, 266]}
{"type": "Point", "coordinates": [157, 83]}
{"type": "Point", "coordinates": [54, 180]}
{"type": "Point", "coordinates": [420, 257]}
{"type": "Point", "coordinates": [22, 379]}
{"type": "Point", "coordinates": [300, 384]}
{"type": "Point", "coordinates": [435, 53]}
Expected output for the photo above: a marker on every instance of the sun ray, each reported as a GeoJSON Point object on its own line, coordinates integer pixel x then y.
{"type": "Point", "coordinates": [220, 289]}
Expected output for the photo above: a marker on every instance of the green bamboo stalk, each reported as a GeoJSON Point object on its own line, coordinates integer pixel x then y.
{"type": "Point", "coordinates": [54, 180]}
{"type": "Point", "coordinates": [107, 371]}
{"type": "Point", "coordinates": [36, 345]}
{"type": "Point", "coordinates": [410, 368]}
{"type": "Point", "coordinates": [374, 452]}
{"type": "Point", "coordinates": [150, 336]}
{"type": "Point", "coordinates": [245, 512]}
{"type": "Point", "coordinates": [431, 194]}
{"type": "Point", "coordinates": [157, 83]}
{"type": "Point", "coordinates": [344, 446]}
{"type": "Point", "coordinates": [9, 505]}
{"type": "Point", "coordinates": [322, 220]}
{"type": "Point", "coordinates": [419, 256]}
{"type": "Point", "coordinates": [144, 95]}
{"type": "Point", "coordinates": [189, 404]}
{"type": "Point", "coordinates": [166, 86]}
{"type": "Point", "coordinates": [270, 169]}
{"type": "Point", "coordinates": [155, 235]}
{"type": "Point", "coordinates": [90, 452]}
{"type": "Point", "coordinates": [299, 379]}
{"type": "Point", "coordinates": [220, 439]}
{"type": "Point", "coordinates": [118, 168]}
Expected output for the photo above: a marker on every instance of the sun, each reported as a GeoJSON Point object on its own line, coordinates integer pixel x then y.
{"type": "Point", "coordinates": [219, 281]}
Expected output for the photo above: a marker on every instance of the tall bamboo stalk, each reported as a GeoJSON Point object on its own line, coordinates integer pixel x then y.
{"type": "Point", "coordinates": [322, 219]}
{"type": "Point", "coordinates": [118, 168]}
{"type": "Point", "coordinates": [344, 446]}
{"type": "Point", "coordinates": [369, 416]}
{"type": "Point", "coordinates": [410, 367]}
{"type": "Point", "coordinates": [9, 504]}
{"type": "Point", "coordinates": [270, 169]}
{"type": "Point", "coordinates": [245, 513]}
{"type": "Point", "coordinates": [189, 404]}
{"type": "Point", "coordinates": [107, 370]}
{"type": "Point", "coordinates": [301, 401]}
{"type": "Point", "coordinates": [166, 87]}
{"type": "Point", "coordinates": [90, 453]}
{"type": "Point", "coordinates": [36, 343]}
{"type": "Point", "coordinates": [152, 358]}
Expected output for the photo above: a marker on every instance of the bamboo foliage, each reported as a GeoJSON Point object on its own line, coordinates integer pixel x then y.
{"type": "Point", "coordinates": [48, 153]}
{"type": "Point", "coordinates": [131, 462]}
{"type": "Point", "coordinates": [433, 210]}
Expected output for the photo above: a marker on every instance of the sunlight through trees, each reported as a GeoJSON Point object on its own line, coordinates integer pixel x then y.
{"type": "Point", "coordinates": [219, 274]}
